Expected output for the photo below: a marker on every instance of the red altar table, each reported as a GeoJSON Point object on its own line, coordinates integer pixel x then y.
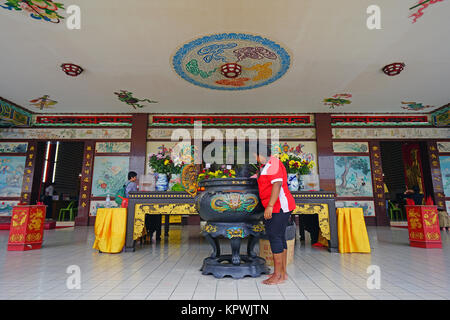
{"type": "Point", "coordinates": [423, 226]}
{"type": "Point", "coordinates": [27, 228]}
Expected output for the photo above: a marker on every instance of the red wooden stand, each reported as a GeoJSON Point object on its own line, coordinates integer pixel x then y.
{"type": "Point", "coordinates": [27, 228]}
{"type": "Point", "coordinates": [423, 227]}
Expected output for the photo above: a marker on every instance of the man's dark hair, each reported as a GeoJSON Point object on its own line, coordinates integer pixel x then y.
{"type": "Point", "coordinates": [131, 175]}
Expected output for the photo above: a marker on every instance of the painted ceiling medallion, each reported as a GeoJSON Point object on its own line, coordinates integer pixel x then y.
{"type": "Point", "coordinates": [394, 69]}
{"type": "Point", "coordinates": [127, 97]}
{"type": "Point", "coordinates": [71, 69]}
{"type": "Point", "coordinates": [414, 106]}
{"type": "Point", "coordinates": [338, 100]}
{"type": "Point", "coordinates": [46, 10]}
{"type": "Point", "coordinates": [423, 5]}
{"type": "Point", "coordinates": [43, 102]}
{"type": "Point", "coordinates": [231, 61]}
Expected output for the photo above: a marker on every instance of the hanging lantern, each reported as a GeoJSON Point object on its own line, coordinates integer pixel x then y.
{"type": "Point", "coordinates": [394, 69]}
{"type": "Point", "coordinates": [231, 70]}
{"type": "Point", "coordinates": [71, 69]}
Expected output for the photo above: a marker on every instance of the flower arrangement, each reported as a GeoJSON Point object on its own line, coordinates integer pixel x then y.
{"type": "Point", "coordinates": [295, 164]}
{"type": "Point", "coordinates": [211, 174]}
{"type": "Point", "coordinates": [162, 163]}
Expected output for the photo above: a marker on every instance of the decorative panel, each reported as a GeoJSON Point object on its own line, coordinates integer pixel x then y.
{"type": "Point", "coordinates": [353, 176]}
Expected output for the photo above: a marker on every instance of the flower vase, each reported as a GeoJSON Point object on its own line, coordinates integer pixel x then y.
{"type": "Point", "coordinates": [301, 182]}
{"type": "Point", "coordinates": [292, 182]}
{"type": "Point", "coordinates": [162, 183]}
{"type": "Point", "coordinates": [174, 179]}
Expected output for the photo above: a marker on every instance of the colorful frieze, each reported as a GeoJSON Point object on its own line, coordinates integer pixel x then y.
{"type": "Point", "coordinates": [231, 61]}
{"type": "Point", "coordinates": [260, 120]}
{"type": "Point", "coordinates": [283, 133]}
{"type": "Point", "coordinates": [379, 120]}
{"type": "Point", "coordinates": [390, 133]}
{"type": "Point", "coordinates": [445, 172]}
{"type": "Point", "coordinates": [353, 176]}
{"type": "Point", "coordinates": [70, 133]}
{"type": "Point", "coordinates": [9, 114]}
{"type": "Point", "coordinates": [443, 146]}
{"type": "Point", "coordinates": [13, 147]}
{"type": "Point", "coordinates": [109, 175]}
{"type": "Point", "coordinates": [73, 120]}
{"type": "Point", "coordinates": [351, 147]}
{"type": "Point", "coordinates": [441, 118]}
{"type": "Point", "coordinates": [367, 206]}
{"type": "Point", "coordinates": [112, 147]}
{"type": "Point", "coordinates": [11, 176]}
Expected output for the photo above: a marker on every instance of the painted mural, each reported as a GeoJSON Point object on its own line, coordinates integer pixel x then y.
{"type": "Point", "coordinates": [94, 205]}
{"type": "Point", "coordinates": [6, 207]}
{"type": "Point", "coordinates": [390, 133]}
{"type": "Point", "coordinates": [447, 206]}
{"type": "Point", "coordinates": [367, 206]}
{"type": "Point", "coordinates": [353, 176]}
{"type": "Point", "coordinates": [351, 147]}
{"type": "Point", "coordinates": [11, 176]}
{"type": "Point", "coordinates": [231, 61]}
{"type": "Point", "coordinates": [68, 133]}
{"type": "Point", "coordinates": [443, 146]}
{"type": "Point", "coordinates": [178, 151]}
{"type": "Point", "coordinates": [112, 147]}
{"type": "Point", "coordinates": [445, 171]}
{"type": "Point", "coordinates": [43, 102]}
{"type": "Point", "coordinates": [110, 174]}
{"type": "Point", "coordinates": [13, 147]}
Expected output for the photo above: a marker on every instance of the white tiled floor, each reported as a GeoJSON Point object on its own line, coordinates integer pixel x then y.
{"type": "Point", "coordinates": [170, 270]}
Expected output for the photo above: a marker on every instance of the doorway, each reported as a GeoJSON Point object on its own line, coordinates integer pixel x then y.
{"type": "Point", "coordinates": [404, 168]}
{"type": "Point", "coordinates": [57, 178]}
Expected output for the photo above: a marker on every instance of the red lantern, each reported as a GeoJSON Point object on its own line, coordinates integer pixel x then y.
{"type": "Point", "coordinates": [394, 69]}
{"type": "Point", "coordinates": [231, 70]}
{"type": "Point", "coordinates": [71, 69]}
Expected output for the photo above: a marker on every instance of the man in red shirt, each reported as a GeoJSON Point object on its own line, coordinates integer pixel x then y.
{"type": "Point", "coordinates": [278, 203]}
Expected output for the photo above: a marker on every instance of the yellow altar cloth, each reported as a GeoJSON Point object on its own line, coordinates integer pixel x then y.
{"type": "Point", "coordinates": [110, 229]}
{"type": "Point", "coordinates": [352, 232]}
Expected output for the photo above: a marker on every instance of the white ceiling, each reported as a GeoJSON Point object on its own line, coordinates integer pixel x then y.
{"type": "Point", "coordinates": [129, 44]}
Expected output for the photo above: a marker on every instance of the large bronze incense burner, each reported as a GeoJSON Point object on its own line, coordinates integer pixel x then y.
{"type": "Point", "coordinates": [232, 209]}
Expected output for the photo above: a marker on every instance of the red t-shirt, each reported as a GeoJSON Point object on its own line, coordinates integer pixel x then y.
{"type": "Point", "coordinates": [272, 172]}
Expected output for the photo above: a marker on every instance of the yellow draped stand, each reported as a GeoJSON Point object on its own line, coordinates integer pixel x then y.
{"type": "Point", "coordinates": [352, 232]}
{"type": "Point", "coordinates": [110, 229]}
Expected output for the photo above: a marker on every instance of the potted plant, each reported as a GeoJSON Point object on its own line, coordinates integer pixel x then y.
{"type": "Point", "coordinates": [296, 168]}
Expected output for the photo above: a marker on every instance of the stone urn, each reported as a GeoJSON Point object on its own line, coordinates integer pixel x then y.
{"type": "Point", "coordinates": [232, 209]}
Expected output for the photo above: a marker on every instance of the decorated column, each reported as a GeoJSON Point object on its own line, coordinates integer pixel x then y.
{"type": "Point", "coordinates": [82, 218]}
{"type": "Point", "coordinates": [378, 184]}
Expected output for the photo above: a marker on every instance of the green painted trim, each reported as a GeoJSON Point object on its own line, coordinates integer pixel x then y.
{"type": "Point", "coordinates": [9, 114]}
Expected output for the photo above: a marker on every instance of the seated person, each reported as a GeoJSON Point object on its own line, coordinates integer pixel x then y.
{"type": "Point", "coordinates": [415, 195]}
